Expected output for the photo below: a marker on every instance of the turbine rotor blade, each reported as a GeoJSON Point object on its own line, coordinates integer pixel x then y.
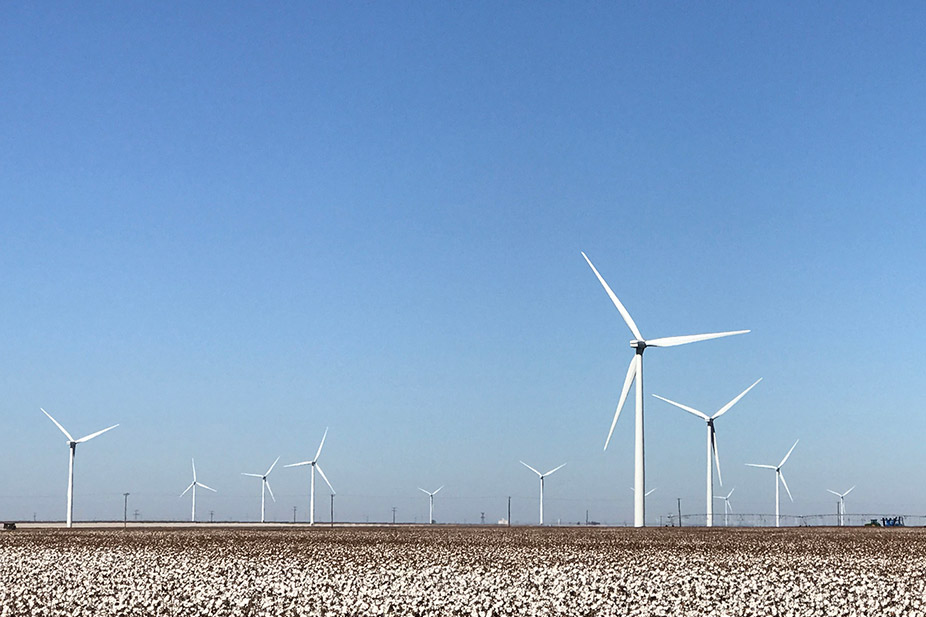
{"type": "Point", "coordinates": [96, 434]}
{"type": "Point", "coordinates": [833, 492]}
{"type": "Point", "coordinates": [716, 453]}
{"type": "Point", "coordinates": [194, 470]}
{"type": "Point", "coordinates": [684, 407]}
{"type": "Point", "coordinates": [672, 341]}
{"type": "Point", "coordinates": [847, 492]}
{"type": "Point", "coordinates": [620, 307]}
{"type": "Point", "coordinates": [324, 477]}
{"type": "Point", "coordinates": [438, 490]}
{"type": "Point", "coordinates": [272, 466]}
{"type": "Point", "coordinates": [267, 484]}
{"type": "Point", "coordinates": [727, 407]}
{"type": "Point", "coordinates": [731, 492]}
{"type": "Point", "coordinates": [298, 464]}
{"type": "Point", "coordinates": [531, 468]}
{"type": "Point", "coordinates": [788, 454]}
{"type": "Point", "coordinates": [649, 492]}
{"type": "Point", "coordinates": [61, 428]}
{"type": "Point", "coordinates": [628, 380]}
{"type": "Point", "coordinates": [187, 489]}
{"type": "Point", "coordinates": [320, 446]}
{"type": "Point", "coordinates": [762, 466]}
{"type": "Point", "coordinates": [782, 477]}
{"type": "Point", "coordinates": [554, 470]}
{"type": "Point", "coordinates": [255, 475]}
{"type": "Point", "coordinates": [423, 491]}
{"type": "Point", "coordinates": [200, 484]}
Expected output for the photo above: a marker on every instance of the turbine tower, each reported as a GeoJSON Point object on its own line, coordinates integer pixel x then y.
{"type": "Point", "coordinates": [842, 504]}
{"type": "Point", "coordinates": [726, 505]}
{"type": "Point", "coordinates": [778, 476]}
{"type": "Point", "coordinates": [542, 476]}
{"type": "Point", "coordinates": [264, 486]}
{"type": "Point", "coordinates": [193, 486]}
{"type": "Point", "coordinates": [711, 445]}
{"type": "Point", "coordinates": [315, 465]}
{"type": "Point", "coordinates": [635, 372]}
{"type": "Point", "coordinates": [430, 503]}
{"type": "Point", "coordinates": [72, 444]}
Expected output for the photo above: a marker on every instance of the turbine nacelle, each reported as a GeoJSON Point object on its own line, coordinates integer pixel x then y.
{"type": "Point", "coordinates": [638, 345]}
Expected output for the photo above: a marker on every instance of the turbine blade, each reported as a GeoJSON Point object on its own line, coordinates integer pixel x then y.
{"type": "Point", "coordinates": [438, 490]}
{"type": "Point", "coordinates": [298, 464]}
{"type": "Point", "coordinates": [685, 407]}
{"type": "Point", "coordinates": [553, 470]}
{"type": "Point", "coordinates": [788, 454]}
{"type": "Point", "coordinates": [672, 341]}
{"type": "Point", "coordinates": [782, 476]}
{"type": "Point", "coordinates": [727, 407]}
{"type": "Point", "coordinates": [255, 475]}
{"type": "Point", "coordinates": [200, 484]}
{"type": "Point", "coordinates": [187, 489]}
{"type": "Point", "coordinates": [531, 468]}
{"type": "Point", "coordinates": [833, 492]}
{"type": "Point", "coordinates": [320, 446]}
{"type": "Point", "coordinates": [731, 492]}
{"type": "Point", "coordinates": [631, 372]}
{"type": "Point", "coordinates": [649, 492]}
{"type": "Point", "coordinates": [96, 434]}
{"type": "Point", "coordinates": [849, 491]}
{"type": "Point", "coordinates": [272, 466]}
{"type": "Point", "coordinates": [423, 491]}
{"type": "Point", "coordinates": [61, 428]}
{"type": "Point", "coordinates": [762, 466]}
{"type": "Point", "coordinates": [716, 453]}
{"type": "Point", "coordinates": [620, 307]}
{"type": "Point", "coordinates": [194, 470]}
{"type": "Point", "coordinates": [267, 484]}
{"type": "Point", "coordinates": [324, 477]}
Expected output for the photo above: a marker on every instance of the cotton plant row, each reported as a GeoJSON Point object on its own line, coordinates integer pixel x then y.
{"type": "Point", "coordinates": [463, 571]}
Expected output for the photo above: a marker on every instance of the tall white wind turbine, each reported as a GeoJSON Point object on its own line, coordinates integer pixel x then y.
{"type": "Point", "coordinates": [711, 444]}
{"type": "Point", "coordinates": [726, 505]}
{"type": "Point", "coordinates": [542, 476]}
{"type": "Point", "coordinates": [72, 444]}
{"type": "Point", "coordinates": [842, 504]}
{"type": "Point", "coordinates": [635, 372]}
{"type": "Point", "coordinates": [264, 486]}
{"type": "Point", "coordinates": [430, 502]}
{"type": "Point", "coordinates": [778, 476]}
{"type": "Point", "coordinates": [315, 465]}
{"type": "Point", "coordinates": [193, 486]}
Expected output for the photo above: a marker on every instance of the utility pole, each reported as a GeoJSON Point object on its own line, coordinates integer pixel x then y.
{"type": "Point", "coordinates": [393, 515]}
{"type": "Point", "coordinates": [294, 514]}
{"type": "Point", "coordinates": [482, 517]}
{"type": "Point", "coordinates": [332, 509]}
{"type": "Point", "coordinates": [509, 510]}
{"type": "Point", "coordinates": [211, 516]}
{"type": "Point", "coordinates": [586, 518]}
{"type": "Point", "coordinates": [679, 511]}
{"type": "Point", "coordinates": [136, 514]}
{"type": "Point", "coordinates": [125, 511]}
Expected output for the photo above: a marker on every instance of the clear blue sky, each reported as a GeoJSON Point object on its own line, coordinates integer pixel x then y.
{"type": "Point", "coordinates": [229, 226]}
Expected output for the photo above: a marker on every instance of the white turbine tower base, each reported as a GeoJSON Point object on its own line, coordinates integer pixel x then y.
{"type": "Point", "coordinates": [842, 504]}
{"type": "Point", "coordinates": [542, 476]}
{"type": "Point", "coordinates": [315, 465]}
{"type": "Point", "coordinates": [430, 503]}
{"type": "Point", "coordinates": [635, 374]}
{"type": "Point", "coordinates": [264, 486]}
{"type": "Point", "coordinates": [193, 486]}
{"type": "Point", "coordinates": [711, 444]}
{"type": "Point", "coordinates": [72, 446]}
{"type": "Point", "coordinates": [778, 476]}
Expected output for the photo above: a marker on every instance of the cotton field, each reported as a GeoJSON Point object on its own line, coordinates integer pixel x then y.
{"type": "Point", "coordinates": [463, 571]}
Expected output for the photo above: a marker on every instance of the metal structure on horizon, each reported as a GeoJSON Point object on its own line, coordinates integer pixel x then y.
{"type": "Point", "coordinates": [72, 445]}
{"type": "Point", "coordinates": [635, 373]}
{"type": "Point", "coordinates": [711, 444]}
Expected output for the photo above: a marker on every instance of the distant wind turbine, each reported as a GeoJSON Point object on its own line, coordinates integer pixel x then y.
{"type": "Point", "coordinates": [842, 504]}
{"type": "Point", "coordinates": [193, 486]}
{"type": "Point", "coordinates": [778, 476]}
{"type": "Point", "coordinates": [315, 465]}
{"type": "Point", "coordinates": [72, 444]}
{"type": "Point", "coordinates": [726, 505]}
{"type": "Point", "coordinates": [711, 444]}
{"type": "Point", "coordinates": [542, 476]}
{"type": "Point", "coordinates": [635, 372]}
{"type": "Point", "coordinates": [648, 493]}
{"type": "Point", "coordinates": [264, 486]}
{"type": "Point", "coordinates": [430, 502]}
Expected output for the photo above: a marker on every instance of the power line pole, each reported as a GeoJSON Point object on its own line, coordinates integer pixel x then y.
{"type": "Point", "coordinates": [586, 518]}
{"type": "Point", "coordinates": [211, 516]}
{"type": "Point", "coordinates": [482, 517]}
{"type": "Point", "coordinates": [294, 514]}
{"type": "Point", "coordinates": [679, 511]}
{"type": "Point", "coordinates": [125, 511]}
{"type": "Point", "coordinates": [332, 509]}
{"type": "Point", "coordinates": [136, 514]}
{"type": "Point", "coordinates": [393, 515]}
{"type": "Point", "coordinates": [509, 510]}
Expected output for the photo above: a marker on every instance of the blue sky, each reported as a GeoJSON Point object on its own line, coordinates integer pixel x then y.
{"type": "Point", "coordinates": [229, 226]}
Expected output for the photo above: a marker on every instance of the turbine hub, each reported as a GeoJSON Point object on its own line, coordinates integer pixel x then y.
{"type": "Point", "coordinates": [638, 345]}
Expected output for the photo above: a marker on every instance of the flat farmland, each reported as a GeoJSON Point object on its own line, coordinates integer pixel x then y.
{"type": "Point", "coordinates": [462, 571]}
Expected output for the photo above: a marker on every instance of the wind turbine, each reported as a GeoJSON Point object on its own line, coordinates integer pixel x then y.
{"type": "Point", "coordinates": [72, 444]}
{"type": "Point", "coordinates": [778, 476]}
{"type": "Point", "coordinates": [635, 371]}
{"type": "Point", "coordinates": [193, 486]}
{"type": "Point", "coordinates": [264, 486]}
{"type": "Point", "coordinates": [315, 465]}
{"type": "Point", "coordinates": [430, 502]}
{"type": "Point", "coordinates": [542, 476]}
{"type": "Point", "coordinates": [842, 504]}
{"type": "Point", "coordinates": [711, 444]}
{"type": "Point", "coordinates": [726, 505]}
